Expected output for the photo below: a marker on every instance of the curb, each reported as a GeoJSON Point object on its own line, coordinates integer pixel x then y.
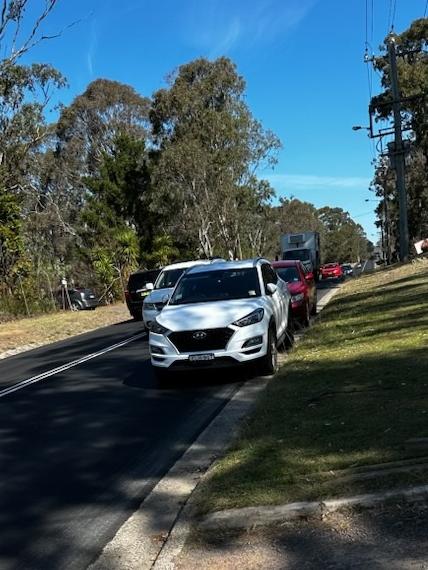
{"type": "Point", "coordinates": [251, 517]}
{"type": "Point", "coordinates": [140, 542]}
{"type": "Point", "coordinates": [155, 534]}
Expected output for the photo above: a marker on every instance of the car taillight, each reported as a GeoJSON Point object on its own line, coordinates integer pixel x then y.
{"type": "Point", "coordinates": [126, 294]}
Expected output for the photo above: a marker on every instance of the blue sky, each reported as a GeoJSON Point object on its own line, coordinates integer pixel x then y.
{"type": "Point", "coordinates": [302, 61]}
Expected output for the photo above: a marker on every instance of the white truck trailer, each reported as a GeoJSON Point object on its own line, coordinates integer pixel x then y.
{"type": "Point", "coordinates": [304, 246]}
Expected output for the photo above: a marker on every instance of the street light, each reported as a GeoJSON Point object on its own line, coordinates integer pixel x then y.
{"type": "Point", "coordinates": [369, 200]}
{"type": "Point", "coordinates": [360, 128]}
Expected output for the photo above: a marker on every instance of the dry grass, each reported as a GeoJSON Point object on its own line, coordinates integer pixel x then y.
{"type": "Point", "coordinates": [49, 328]}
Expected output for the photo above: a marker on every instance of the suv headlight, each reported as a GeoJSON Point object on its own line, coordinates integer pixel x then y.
{"type": "Point", "coordinates": [150, 306]}
{"type": "Point", "coordinates": [251, 319]}
{"type": "Point", "coordinates": [158, 328]}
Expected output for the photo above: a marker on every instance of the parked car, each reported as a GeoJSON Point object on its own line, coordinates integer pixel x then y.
{"type": "Point", "coordinates": [163, 287]}
{"type": "Point", "coordinates": [81, 298]}
{"type": "Point", "coordinates": [137, 291]}
{"type": "Point", "coordinates": [302, 287]}
{"type": "Point", "coordinates": [347, 269]}
{"type": "Point", "coordinates": [331, 271]}
{"type": "Point", "coordinates": [225, 313]}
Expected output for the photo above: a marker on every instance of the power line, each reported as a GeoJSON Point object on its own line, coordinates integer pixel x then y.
{"type": "Point", "coordinates": [369, 18]}
{"type": "Point", "coordinates": [426, 8]}
{"type": "Point", "coordinates": [388, 28]}
{"type": "Point", "coordinates": [393, 14]}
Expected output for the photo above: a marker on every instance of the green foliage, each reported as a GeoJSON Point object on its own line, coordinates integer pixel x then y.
{"type": "Point", "coordinates": [11, 242]}
{"type": "Point", "coordinates": [209, 147]}
{"type": "Point", "coordinates": [344, 240]}
{"type": "Point", "coordinates": [164, 251]}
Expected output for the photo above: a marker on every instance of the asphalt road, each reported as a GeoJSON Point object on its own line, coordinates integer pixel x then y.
{"type": "Point", "coordinates": [80, 449]}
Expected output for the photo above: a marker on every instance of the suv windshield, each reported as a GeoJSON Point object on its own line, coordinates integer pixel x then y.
{"type": "Point", "coordinates": [220, 285]}
{"type": "Point", "coordinates": [139, 280]}
{"type": "Point", "coordinates": [288, 274]}
{"type": "Point", "coordinates": [302, 254]}
{"type": "Point", "coordinates": [169, 278]}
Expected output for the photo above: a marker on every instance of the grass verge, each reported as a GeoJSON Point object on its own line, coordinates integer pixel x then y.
{"type": "Point", "coordinates": [49, 328]}
{"type": "Point", "coordinates": [351, 394]}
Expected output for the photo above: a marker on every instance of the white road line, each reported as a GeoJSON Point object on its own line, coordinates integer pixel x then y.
{"type": "Point", "coordinates": [48, 373]}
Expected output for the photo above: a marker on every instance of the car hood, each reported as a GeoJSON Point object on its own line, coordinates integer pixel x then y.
{"type": "Point", "coordinates": [207, 315]}
{"type": "Point", "coordinates": [157, 296]}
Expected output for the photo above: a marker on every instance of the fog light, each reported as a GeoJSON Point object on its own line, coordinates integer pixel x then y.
{"type": "Point", "coordinates": [253, 341]}
{"type": "Point", "coordinates": [156, 349]}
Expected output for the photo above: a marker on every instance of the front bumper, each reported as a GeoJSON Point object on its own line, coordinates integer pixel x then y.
{"type": "Point", "coordinates": [90, 303]}
{"type": "Point", "coordinates": [164, 354]}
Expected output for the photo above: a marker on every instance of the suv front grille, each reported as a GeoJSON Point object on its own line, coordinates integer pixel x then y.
{"type": "Point", "coordinates": [194, 341]}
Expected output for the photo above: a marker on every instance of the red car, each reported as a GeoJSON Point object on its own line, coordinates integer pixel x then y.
{"type": "Point", "coordinates": [302, 287]}
{"type": "Point", "coordinates": [331, 271]}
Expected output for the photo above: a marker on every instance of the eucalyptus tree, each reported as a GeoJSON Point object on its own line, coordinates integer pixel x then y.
{"type": "Point", "coordinates": [209, 148]}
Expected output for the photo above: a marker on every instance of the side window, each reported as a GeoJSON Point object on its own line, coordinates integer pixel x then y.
{"type": "Point", "coordinates": [269, 275]}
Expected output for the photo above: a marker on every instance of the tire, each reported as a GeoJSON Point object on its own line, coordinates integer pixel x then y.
{"type": "Point", "coordinates": [76, 306]}
{"type": "Point", "coordinates": [269, 363]}
{"type": "Point", "coordinates": [289, 333]}
{"type": "Point", "coordinates": [307, 317]}
{"type": "Point", "coordinates": [314, 306]}
{"type": "Point", "coordinates": [137, 316]}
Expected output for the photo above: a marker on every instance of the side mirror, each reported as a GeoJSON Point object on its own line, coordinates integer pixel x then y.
{"type": "Point", "coordinates": [149, 286]}
{"type": "Point", "coordinates": [271, 288]}
{"type": "Point", "coordinates": [309, 276]}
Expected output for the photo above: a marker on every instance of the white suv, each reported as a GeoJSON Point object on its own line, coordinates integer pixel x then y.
{"type": "Point", "coordinates": [221, 314]}
{"type": "Point", "coordinates": [163, 287]}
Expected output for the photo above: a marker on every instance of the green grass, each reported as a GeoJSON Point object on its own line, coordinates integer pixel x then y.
{"type": "Point", "coordinates": [351, 394]}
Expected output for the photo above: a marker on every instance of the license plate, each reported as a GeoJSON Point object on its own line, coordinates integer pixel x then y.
{"type": "Point", "coordinates": [201, 357]}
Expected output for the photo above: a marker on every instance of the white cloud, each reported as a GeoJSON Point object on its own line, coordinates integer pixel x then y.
{"type": "Point", "coordinates": [228, 39]}
{"type": "Point", "coordinates": [292, 182]}
{"type": "Point", "coordinates": [218, 27]}
{"type": "Point", "coordinates": [90, 55]}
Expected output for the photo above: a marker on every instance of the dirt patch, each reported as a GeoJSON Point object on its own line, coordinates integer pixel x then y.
{"type": "Point", "coordinates": [24, 334]}
{"type": "Point", "coordinates": [393, 537]}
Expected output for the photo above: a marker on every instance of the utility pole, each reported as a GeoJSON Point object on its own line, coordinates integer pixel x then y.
{"type": "Point", "coordinates": [399, 152]}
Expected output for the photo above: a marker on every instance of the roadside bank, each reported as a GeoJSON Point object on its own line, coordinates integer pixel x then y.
{"type": "Point", "coordinates": [24, 334]}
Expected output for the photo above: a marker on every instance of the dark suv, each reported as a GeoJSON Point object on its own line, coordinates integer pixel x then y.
{"type": "Point", "coordinates": [137, 291]}
{"type": "Point", "coordinates": [80, 298]}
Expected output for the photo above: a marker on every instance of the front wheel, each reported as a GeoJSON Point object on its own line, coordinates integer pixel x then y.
{"type": "Point", "coordinates": [269, 362]}
{"type": "Point", "coordinates": [289, 332]}
{"type": "Point", "coordinates": [307, 315]}
{"type": "Point", "coordinates": [314, 306]}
